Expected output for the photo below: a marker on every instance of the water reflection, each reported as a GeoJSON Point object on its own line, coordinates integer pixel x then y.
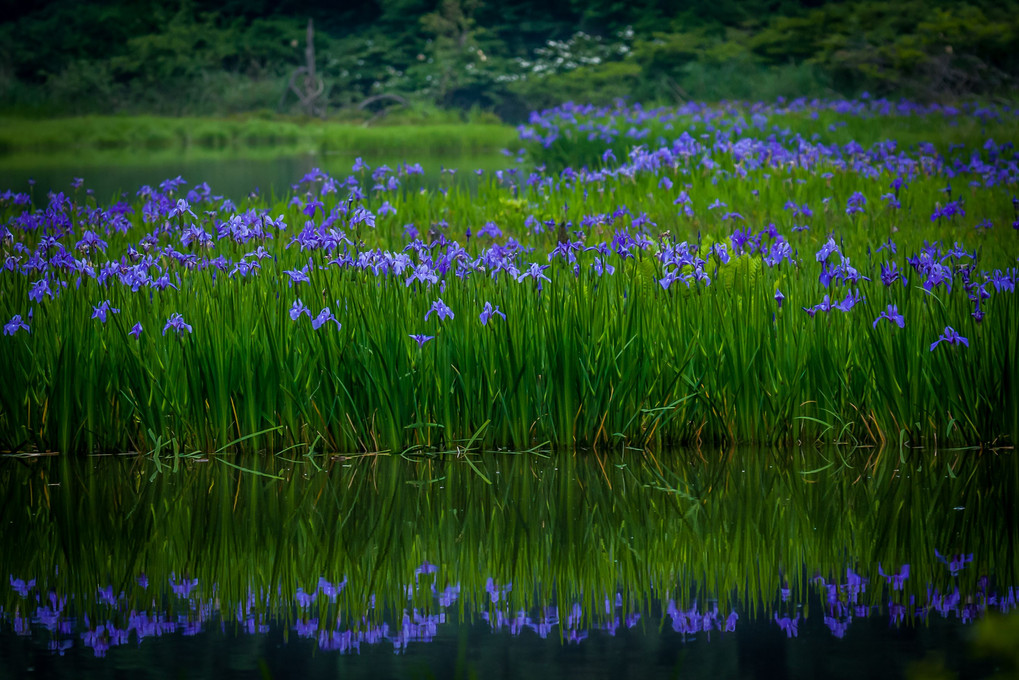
{"type": "Point", "coordinates": [231, 174]}
{"type": "Point", "coordinates": [384, 553]}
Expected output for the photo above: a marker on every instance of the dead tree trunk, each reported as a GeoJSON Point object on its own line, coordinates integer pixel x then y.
{"type": "Point", "coordinates": [306, 83]}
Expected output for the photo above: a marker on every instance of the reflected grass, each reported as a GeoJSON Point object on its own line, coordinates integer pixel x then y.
{"type": "Point", "coordinates": [697, 530]}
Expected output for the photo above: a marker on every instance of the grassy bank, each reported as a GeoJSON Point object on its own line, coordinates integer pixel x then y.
{"type": "Point", "coordinates": [161, 133]}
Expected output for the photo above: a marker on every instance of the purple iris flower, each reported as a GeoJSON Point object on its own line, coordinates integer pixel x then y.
{"type": "Point", "coordinates": [90, 240]}
{"type": "Point", "coordinates": [182, 207]}
{"type": "Point", "coordinates": [890, 273]}
{"type": "Point", "coordinates": [298, 309]}
{"type": "Point", "coordinates": [824, 306]}
{"type": "Point", "coordinates": [855, 203]}
{"type": "Point", "coordinates": [362, 216]}
{"type": "Point", "coordinates": [779, 297]}
{"type": "Point", "coordinates": [491, 230]}
{"type": "Point", "coordinates": [1002, 281]}
{"type": "Point", "coordinates": [739, 239]}
{"type": "Point", "coordinates": [422, 339]}
{"type": "Point", "coordinates": [440, 308]}
{"type": "Point", "coordinates": [890, 245]}
{"type": "Point", "coordinates": [488, 312]}
{"type": "Point", "coordinates": [851, 299]}
{"type": "Point", "coordinates": [892, 201]}
{"type": "Point", "coordinates": [15, 325]}
{"type": "Point", "coordinates": [601, 267]}
{"type": "Point", "coordinates": [176, 322]}
{"type": "Point", "coordinates": [537, 272]}
{"type": "Point", "coordinates": [892, 314]}
{"type": "Point", "coordinates": [324, 316]}
{"type": "Point", "coordinates": [827, 249]}
{"type": "Point", "coordinates": [311, 206]}
{"type": "Point", "coordinates": [297, 275]}
{"type": "Point", "coordinates": [721, 252]}
{"type": "Point", "coordinates": [950, 336]}
{"type": "Point", "coordinates": [101, 311]}
{"type": "Point", "coordinates": [423, 273]}
{"type": "Point", "coordinates": [38, 290]}
{"type": "Point", "coordinates": [948, 211]}
{"type": "Point", "coordinates": [136, 330]}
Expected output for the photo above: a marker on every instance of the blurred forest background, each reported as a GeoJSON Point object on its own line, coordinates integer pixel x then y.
{"type": "Point", "coordinates": [488, 59]}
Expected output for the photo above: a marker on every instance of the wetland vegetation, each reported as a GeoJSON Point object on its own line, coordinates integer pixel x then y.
{"type": "Point", "coordinates": [737, 273]}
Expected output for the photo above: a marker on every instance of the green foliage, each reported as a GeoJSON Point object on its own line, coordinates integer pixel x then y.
{"type": "Point", "coordinates": [421, 132]}
{"type": "Point", "coordinates": [912, 48]}
{"type": "Point", "coordinates": [585, 362]}
{"type": "Point", "coordinates": [599, 84]}
{"type": "Point", "coordinates": [202, 59]}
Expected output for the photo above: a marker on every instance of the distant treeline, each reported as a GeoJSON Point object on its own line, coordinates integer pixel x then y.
{"type": "Point", "coordinates": [203, 57]}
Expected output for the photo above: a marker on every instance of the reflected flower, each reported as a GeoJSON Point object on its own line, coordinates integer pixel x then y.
{"type": "Point", "coordinates": [184, 587]}
{"type": "Point", "coordinates": [790, 626]}
{"type": "Point", "coordinates": [957, 562]}
{"type": "Point", "coordinates": [21, 586]}
{"type": "Point", "coordinates": [304, 600]}
{"type": "Point", "coordinates": [895, 579]}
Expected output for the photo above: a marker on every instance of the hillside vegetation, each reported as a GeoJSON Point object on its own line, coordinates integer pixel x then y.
{"type": "Point", "coordinates": [204, 58]}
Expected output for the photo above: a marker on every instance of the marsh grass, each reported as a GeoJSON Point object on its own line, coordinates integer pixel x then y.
{"type": "Point", "coordinates": [588, 361]}
{"type": "Point", "coordinates": [156, 133]}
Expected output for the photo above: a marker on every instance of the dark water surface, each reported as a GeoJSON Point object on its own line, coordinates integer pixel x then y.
{"type": "Point", "coordinates": [748, 564]}
{"type": "Point", "coordinates": [234, 174]}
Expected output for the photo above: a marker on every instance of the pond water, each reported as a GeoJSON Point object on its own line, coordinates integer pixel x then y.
{"type": "Point", "coordinates": [232, 174]}
{"type": "Point", "coordinates": [755, 564]}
